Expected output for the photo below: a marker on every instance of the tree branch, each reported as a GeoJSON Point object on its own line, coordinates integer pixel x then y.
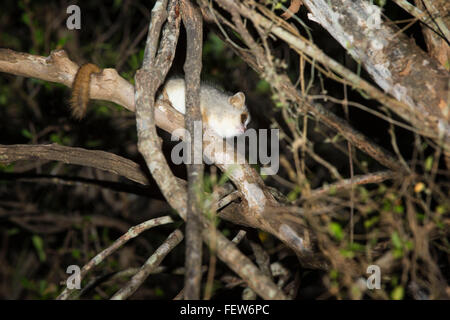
{"type": "Point", "coordinates": [148, 80]}
{"type": "Point", "coordinates": [192, 21]}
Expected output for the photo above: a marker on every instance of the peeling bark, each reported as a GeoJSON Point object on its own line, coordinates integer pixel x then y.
{"type": "Point", "coordinates": [394, 61]}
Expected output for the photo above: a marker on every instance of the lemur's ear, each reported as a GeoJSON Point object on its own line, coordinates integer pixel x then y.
{"type": "Point", "coordinates": [238, 100]}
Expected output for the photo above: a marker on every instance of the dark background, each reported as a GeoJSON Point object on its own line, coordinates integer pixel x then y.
{"type": "Point", "coordinates": [33, 256]}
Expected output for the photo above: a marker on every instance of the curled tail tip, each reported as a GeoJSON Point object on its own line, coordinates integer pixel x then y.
{"type": "Point", "coordinates": [78, 112]}
{"type": "Point", "coordinates": [77, 104]}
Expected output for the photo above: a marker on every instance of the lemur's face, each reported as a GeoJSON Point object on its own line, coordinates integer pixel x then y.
{"type": "Point", "coordinates": [234, 122]}
{"type": "Point", "coordinates": [230, 125]}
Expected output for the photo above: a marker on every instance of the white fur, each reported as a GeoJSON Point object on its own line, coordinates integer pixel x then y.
{"type": "Point", "coordinates": [223, 117]}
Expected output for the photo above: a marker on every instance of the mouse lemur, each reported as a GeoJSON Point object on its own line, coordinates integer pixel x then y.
{"type": "Point", "coordinates": [226, 114]}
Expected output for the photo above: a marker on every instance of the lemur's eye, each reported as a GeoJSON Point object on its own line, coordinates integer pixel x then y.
{"type": "Point", "coordinates": [244, 117]}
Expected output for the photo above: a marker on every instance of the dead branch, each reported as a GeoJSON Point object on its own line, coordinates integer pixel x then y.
{"type": "Point", "coordinates": [151, 264]}
{"type": "Point", "coordinates": [70, 155]}
{"type": "Point", "coordinates": [345, 184]}
{"type": "Point", "coordinates": [395, 63]}
{"type": "Point", "coordinates": [131, 234]}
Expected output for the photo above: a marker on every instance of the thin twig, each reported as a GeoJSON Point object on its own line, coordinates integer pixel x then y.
{"type": "Point", "coordinates": [151, 264]}
{"type": "Point", "coordinates": [132, 233]}
{"type": "Point", "coordinates": [345, 184]}
{"type": "Point", "coordinates": [417, 13]}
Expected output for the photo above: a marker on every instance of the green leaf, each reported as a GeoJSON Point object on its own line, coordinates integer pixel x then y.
{"type": "Point", "coordinates": [382, 188]}
{"type": "Point", "coordinates": [398, 293]}
{"type": "Point", "coordinates": [25, 18]}
{"type": "Point", "coordinates": [60, 139]}
{"type": "Point", "coordinates": [39, 36]}
{"type": "Point", "coordinates": [26, 133]}
{"type": "Point", "coordinates": [42, 286]}
{"type": "Point", "coordinates": [3, 99]}
{"type": "Point", "coordinates": [62, 42]}
{"type": "Point", "coordinates": [12, 231]}
{"type": "Point", "coordinates": [293, 195]}
{"type": "Point", "coordinates": [355, 246]}
{"type": "Point", "coordinates": [380, 3]}
{"type": "Point", "coordinates": [76, 254]}
{"type": "Point", "coordinates": [387, 205]}
{"type": "Point", "coordinates": [263, 86]}
{"type": "Point", "coordinates": [332, 191]}
{"type": "Point", "coordinates": [55, 138]}
{"type": "Point", "coordinates": [428, 163]}
{"type": "Point", "coordinates": [364, 194]}
{"type": "Point", "coordinates": [7, 167]}
{"type": "Point", "coordinates": [399, 209]}
{"type": "Point", "coordinates": [134, 61]}
{"type": "Point", "coordinates": [27, 284]}
{"type": "Point", "coordinates": [396, 241]}
{"type": "Point", "coordinates": [336, 230]}
{"type": "Point", "coordinates": [409, 245]}
{"type": "Point", "coordinates": [39, 246]}
{"type": "Point", "coordinates": [347, 253]}
{"type": "Point", "coordinates": [159, 292]}
{"type": "Point", "coordinates": [334, 274]}
{"type": "Point", "coordinates": [226, 232]}
{"type": "Point", "coordinates": [370, 222]}
{"type": "Point", "coordinates": [398, 245]}
{"type": "Point", "coordinates": [441, 209]}
{"type": "Point", "coordinates": [279, 104]}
